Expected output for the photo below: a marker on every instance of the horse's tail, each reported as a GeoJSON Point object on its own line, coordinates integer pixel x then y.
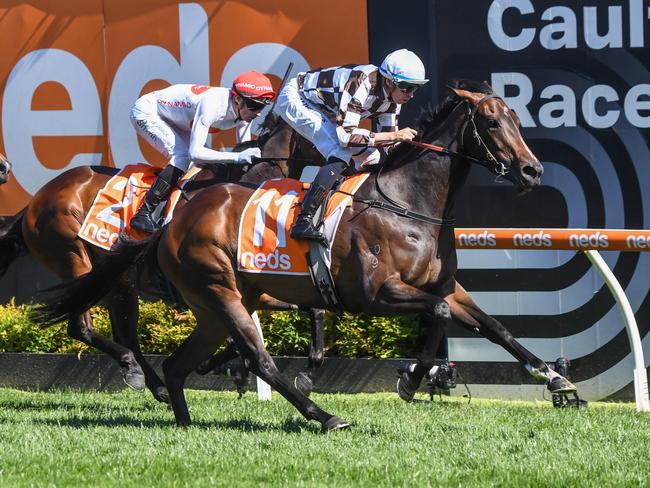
{"type": "Point", "coordinates": [78, 295]}
{"type": "Point", "coordinates": [12, 244]}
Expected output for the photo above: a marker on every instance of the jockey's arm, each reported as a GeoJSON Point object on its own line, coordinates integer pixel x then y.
{"type": "Point", "coordinates": [349, 117]}
{"type": "Point", "coordinates": [405, 134]}
{"type": "Point", "coordinates": [388, 131]}
{"type": "Point", "coordinates": [199, 153]}
{"type": "Point", "coordinates": [350, 134]}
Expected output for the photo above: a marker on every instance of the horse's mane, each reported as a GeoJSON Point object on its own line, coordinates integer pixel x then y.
{"type": "Point", "coordinates": [432, 117]}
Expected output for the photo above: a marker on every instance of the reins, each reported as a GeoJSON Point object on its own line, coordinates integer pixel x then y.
{"type": "Point", "coordinates": [491, 163]}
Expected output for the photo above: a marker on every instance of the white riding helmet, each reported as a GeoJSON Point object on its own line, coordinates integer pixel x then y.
{"type": "Point", "coordinates": [403, 66]}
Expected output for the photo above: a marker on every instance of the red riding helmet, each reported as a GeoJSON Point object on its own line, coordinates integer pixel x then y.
{"type": "Point", "coordinates": [253, 85]}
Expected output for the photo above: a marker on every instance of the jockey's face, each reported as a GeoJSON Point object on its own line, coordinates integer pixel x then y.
{"type": "Point", "coordinates": [398, 95]}
{"type": "Point", "coordinates": [244, 111]}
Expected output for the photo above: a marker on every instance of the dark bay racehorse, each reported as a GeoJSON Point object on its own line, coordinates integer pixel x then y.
{"type": "Point", "coordinates": [47, 229]}
{"type": "Point", "coordinates": [5, 169]}
{"type": "Point", "coordinates": [394, 253]}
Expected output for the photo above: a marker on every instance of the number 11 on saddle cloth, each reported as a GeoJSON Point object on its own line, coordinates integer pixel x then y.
{"type": "Point", "coordinates": [264, 244]}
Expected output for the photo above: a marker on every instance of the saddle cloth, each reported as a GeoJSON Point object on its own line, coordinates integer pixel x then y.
{"type": "Point", "coordinates": [264, 244]}
{"type": "Point", "coordinates": [119, 200]}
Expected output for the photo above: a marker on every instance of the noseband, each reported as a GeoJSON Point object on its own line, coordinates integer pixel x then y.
{"type": "Point", "coordinates": [490, 162]}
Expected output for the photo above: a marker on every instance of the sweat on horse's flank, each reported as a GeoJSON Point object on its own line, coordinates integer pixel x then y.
{"type": "Point", "coordinates": [118, 439]}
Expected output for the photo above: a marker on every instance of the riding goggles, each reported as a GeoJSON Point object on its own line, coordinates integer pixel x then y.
{"type": "Point", "coordinates": [255, 104]}
{"type": "Point", "coordinates": [251, 103]}
{"type": "Point", "coordinates": [405, 86]}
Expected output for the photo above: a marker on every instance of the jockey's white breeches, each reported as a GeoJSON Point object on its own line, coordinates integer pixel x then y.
{"type": "Point", "coordinates": [319, 127]}
{"type": "Point", "coordinates": [168, 140]}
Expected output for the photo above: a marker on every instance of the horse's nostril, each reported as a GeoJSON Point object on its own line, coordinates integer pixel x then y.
{"type": "Point", "coordinates": [530, 171]}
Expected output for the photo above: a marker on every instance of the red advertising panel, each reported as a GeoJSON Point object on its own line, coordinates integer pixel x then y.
{"type": "Point", "coordinates": [72, 70]}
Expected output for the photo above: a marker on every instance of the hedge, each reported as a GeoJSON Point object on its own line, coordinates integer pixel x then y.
{"type": "Point", "coordinates": [162, 328]}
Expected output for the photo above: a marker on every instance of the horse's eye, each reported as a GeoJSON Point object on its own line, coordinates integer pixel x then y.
{"type": "Point", "coordinates": [493, 124]}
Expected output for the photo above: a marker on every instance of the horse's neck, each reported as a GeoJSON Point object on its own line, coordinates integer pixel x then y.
{"type": "Point", "coordinates": [428, 183]}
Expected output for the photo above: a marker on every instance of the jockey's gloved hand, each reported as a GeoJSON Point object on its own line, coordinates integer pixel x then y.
{"type": "Point", "coordinates": [247, 155]}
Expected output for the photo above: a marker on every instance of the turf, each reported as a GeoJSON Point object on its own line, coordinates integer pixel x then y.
{"type": "Point", "coordinates": [127, 439]}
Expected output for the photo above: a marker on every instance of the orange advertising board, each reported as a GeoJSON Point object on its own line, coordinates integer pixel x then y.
{"type": "Point", "coordinates": [565, 239]}
{"type": "Point", "coordinates": [71, 70]}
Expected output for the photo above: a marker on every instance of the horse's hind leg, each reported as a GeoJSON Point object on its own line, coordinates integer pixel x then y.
{"type": "Point", "coordinates": [469, 314]}
{"type": "Point", "coordinates": [123, 309]}
{"type": "Point", "coordinates": [251, 346]}
{"type": "Point", "coordinates": [80, 328]}
{"type": "Point", "coordinates": [198, 347]}
{"type": "Point", "coordinates": [305, 380]}
{"type": "Point", "coordinates": [219, 359]}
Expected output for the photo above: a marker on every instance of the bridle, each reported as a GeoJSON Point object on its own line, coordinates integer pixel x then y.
{"type": "Point", "coordinates": [489, 161]}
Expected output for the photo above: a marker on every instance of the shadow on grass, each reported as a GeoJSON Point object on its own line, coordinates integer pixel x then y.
{"type": "Point", "coordinates": [42, 405]}
{"type": "Point", "coordinates": [243, 425]}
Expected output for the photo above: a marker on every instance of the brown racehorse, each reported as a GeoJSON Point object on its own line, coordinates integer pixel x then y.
{"type": "Point", "coordinates": [5, 169]}
{"type": "Point", "coordinates": [393, 254]}
{"type": "Point", "coordinates": [47, 229]}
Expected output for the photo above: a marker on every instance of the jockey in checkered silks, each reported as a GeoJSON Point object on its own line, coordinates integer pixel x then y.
{"type": "Point", "coordinates": [326, 106]}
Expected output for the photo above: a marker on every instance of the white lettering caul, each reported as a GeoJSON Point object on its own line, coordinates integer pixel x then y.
{"type": "Point", "coordinates": [559, 27]}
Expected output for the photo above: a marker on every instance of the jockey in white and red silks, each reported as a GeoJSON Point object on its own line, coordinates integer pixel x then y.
{"type": "Point", "coordinates": [178, 120]}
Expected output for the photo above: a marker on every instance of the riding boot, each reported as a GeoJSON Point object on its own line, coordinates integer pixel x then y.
{"type": "Point", "coordinates": [158, 192]}
{"type": "Point", "coordinates": [325, 180]}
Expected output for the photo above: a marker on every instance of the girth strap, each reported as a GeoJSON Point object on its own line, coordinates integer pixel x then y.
{"type": "Point", "coordinates": [403, 212]}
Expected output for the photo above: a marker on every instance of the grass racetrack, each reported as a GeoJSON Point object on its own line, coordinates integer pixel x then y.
{"type": "Point", "coordinates": [127, 439]}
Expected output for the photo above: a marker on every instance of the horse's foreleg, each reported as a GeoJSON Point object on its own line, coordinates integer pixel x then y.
{"type": "Point", "coordinates": [470, 315]}
{"type": "Point", "coordinates": [80, 328]}
{"type": "Point", "coordinates": [397, 297]}
{"type": "Point", "coordinates": [123, 309]}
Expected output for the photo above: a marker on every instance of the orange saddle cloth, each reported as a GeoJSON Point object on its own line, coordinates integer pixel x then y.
{"type": "Point", "coordinates": [264, 244]}
{"type": "Point", "coordinates": [119, 200]}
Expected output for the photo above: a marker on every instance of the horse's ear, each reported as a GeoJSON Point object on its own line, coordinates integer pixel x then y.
{"type": "Point", "coordinates": [471, 97]}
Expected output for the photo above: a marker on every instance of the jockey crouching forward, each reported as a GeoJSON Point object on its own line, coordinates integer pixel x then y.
{"type": "Point", "coordinates": [177, 121]}
{"type": "Point", "coordinates": [326, 106]}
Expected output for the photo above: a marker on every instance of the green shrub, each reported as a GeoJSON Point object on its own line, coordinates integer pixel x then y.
{"type": "Point", "coordinates": [18, 334]}
{"type": "Point", "coordinates": [285, 333]}
{"type": "Point", "coordinates": [376, 337]}
{"type": "Point", "coordinates": [162, 328]}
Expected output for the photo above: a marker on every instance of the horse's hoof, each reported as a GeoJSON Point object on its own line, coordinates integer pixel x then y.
{"type": "Point", "coordinates": [134, 379]}
{"type": "Point", "coordinates": [334, 423]}
{"type": "Point", "coordinates": [405, 388]}
{"type": "Point", "coordinates": [161, 394]}
{"type": "Point", "coordinates": [303, 383]}
{"type": "Point", "coordinates": [203, 368]}
{"type": "Point", "coordinates": [560, 384]}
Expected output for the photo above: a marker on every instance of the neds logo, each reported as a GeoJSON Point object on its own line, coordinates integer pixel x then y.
{"type": "Point", "coordinates": [637, 242]}
{"type": "Point", "coordinates": [484, 239]}
{"type": "Point", "coordinates": [274, 261]}
{"type": "Point", "coordinates": [101, 235]}
{"type": "Point", "coordinates": [539, 239]}
{"type": "Point", "coordinates": [588, 240]}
